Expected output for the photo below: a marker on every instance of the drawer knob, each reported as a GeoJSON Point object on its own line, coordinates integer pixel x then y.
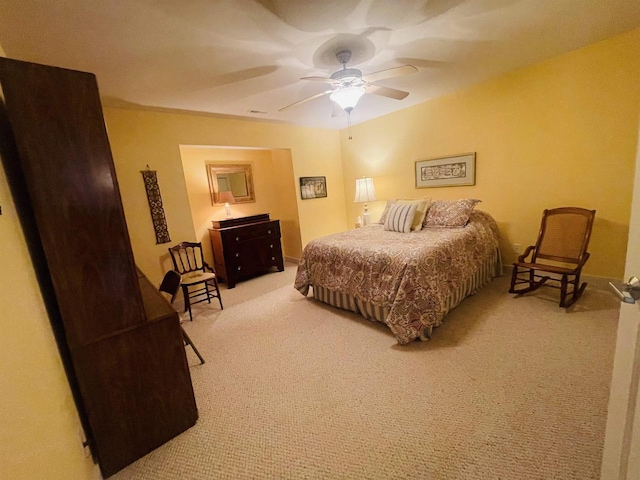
{"type": "Point", "coordinates": [269, 232]}
{"type": "Point", "coordinates": [237, 239]}
{"type": "Point", "coordinates": [271, 246]}
{"type": "Point", "coordinates": [273, 258]}
{"type": "Point", "coordinates": [239, 268]}
{"type": "Point", "coordinates": [237, 254]}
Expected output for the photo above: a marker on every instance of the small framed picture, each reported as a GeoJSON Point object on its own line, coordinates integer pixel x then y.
{"type": "Point", "coordinates": [313, 187]}
{"type": "Point", "coordinates": [446, 171]}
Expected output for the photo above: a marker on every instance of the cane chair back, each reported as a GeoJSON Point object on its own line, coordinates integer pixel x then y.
{"type": "Point", "coordinates": [564, 235]}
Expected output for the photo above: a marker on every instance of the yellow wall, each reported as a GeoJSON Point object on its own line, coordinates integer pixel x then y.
{"type": "Point", "coordinates": [558, 133]}
{"type": "Point", "coordinates": [141, 137]}
{"type": "Point", "coordinates": [39, 424]}
{"type": "Point", "coordinates": [287, 189]}
{"type": "Point", "coordinates": [274, 187]}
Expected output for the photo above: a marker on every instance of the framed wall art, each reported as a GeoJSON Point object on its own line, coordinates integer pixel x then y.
{"type": "Point", "coordinates": [313, 187]}
{"type": "Point", "coordinates": [446, 171]}
{"type": "Point", "coordinates": [236, 178]}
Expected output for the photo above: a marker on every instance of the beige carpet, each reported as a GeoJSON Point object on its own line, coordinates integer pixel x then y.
{"type": "Point", "coordinates": [506, 389]}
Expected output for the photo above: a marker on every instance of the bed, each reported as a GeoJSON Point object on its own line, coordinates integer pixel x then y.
{"type": "Point", "coordinates": [409, 281]}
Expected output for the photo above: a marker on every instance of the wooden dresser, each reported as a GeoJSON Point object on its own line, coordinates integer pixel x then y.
{"type": "Point", "coordinates": [245, 246]}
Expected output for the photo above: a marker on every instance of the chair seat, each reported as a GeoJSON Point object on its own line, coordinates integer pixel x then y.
{"type": "Point", "coordinates": [197, 277]}
{"type": "Point", "coordinates": [547, 268]}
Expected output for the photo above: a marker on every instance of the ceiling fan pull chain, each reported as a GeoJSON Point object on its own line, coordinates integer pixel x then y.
{"type": "Point", "coordinates": [349, 123]}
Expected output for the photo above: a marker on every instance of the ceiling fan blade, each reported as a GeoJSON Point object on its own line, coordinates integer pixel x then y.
{"type": "Point", "coordinates": [386, 92]}
{"type": "Point", "coordinates": [319, 79]}
{"type": "Point", "coordinates": [389, 73]}
{"type": "Point", "coordinates": [304, 100]}
{"type": "Point", "coordinates": [421, 62]}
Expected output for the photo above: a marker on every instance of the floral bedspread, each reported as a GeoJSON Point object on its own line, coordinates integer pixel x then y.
{"type": "Point", "coordinates": [411, 273]}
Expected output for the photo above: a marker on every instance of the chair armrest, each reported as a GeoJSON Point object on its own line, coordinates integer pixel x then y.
{"type": "Point", "coordinates": [207, 267]}
{"type": "Point", "coordinates": [526, 253]}
{"type": "Point", "coordinates": [584, 259]}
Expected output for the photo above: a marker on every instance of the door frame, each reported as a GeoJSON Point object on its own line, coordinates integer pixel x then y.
{"type": "Point", "coordinates": [621, 453]}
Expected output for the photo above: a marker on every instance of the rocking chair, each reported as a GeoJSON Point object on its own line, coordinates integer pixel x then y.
{"type": "Point", "coordinates": [561, 250]}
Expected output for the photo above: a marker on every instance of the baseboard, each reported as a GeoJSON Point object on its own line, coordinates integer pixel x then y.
{"type": "Point", "coordinates": [292, 260]}
{"type": "Point", "coordinates": [599, 283]}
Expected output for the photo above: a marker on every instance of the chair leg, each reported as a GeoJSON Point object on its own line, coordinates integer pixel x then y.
{"type": "Point", "coordinates": [514, 277]}
{"type": "Point", "coordinates": [563, 291]}
{"type": "Point", "coordinates": [575, 294]}
{"type": "Point", "coordinates": [217, 289]}
{"type": "Point", "coordinates": [582, 287]}
{"type": "Point", "coordinates": [189, 342]}
{"type": "Point", "coordinates": [533, 284]}
{"type": "Point", "coordinates": [187, 301]}
{"type": "Point", "coordinates": [215, 284]}
{"type": "Point", "coordinates": [206, 288]}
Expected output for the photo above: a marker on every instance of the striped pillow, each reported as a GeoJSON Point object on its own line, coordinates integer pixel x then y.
{"type": "Point", "coordinates": [421, 211]}
{"type": "Point", "coordinates": [400, 218]}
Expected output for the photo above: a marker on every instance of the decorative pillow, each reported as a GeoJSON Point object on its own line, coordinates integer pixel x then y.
{"type": "Point", "coordinates": [450, 213]}
{"type": "Point", "coordinates": [385, 212]}
{"type": "Point", "coordinates": [400, 218]}
{"type": "Point", "coordinates": [421, 211]}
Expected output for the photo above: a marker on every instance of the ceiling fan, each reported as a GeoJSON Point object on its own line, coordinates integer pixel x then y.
{"type": "Point", "coordinates": [348, 84]}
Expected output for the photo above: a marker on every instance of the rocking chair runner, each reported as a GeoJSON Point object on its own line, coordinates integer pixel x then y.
{"type": "Point", "coordinates": [563, 239]}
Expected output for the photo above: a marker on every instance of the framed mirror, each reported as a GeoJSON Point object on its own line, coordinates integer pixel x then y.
{"type": "Point", "coordinates": [236, 178]}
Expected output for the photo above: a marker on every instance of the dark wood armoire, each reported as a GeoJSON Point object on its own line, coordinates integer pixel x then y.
{"type": "Point", "coordinates": [127, 363]}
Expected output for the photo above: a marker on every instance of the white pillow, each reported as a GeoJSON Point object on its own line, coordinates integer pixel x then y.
{"type": "Point", "coordinates": [421, 211]}
{"type": "Point", "coordinates": [400, 218]}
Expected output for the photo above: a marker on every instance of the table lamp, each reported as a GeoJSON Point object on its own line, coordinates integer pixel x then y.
{"type": "Point", "coordinates": [365, 192]}
{"type": "Point", "coordinates": [227, 198]}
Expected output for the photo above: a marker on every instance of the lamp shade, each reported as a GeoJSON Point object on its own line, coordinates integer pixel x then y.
{"type": "Point", "coordinates": [225, 197]}
{"type": "Point", "coordinates": [365, 191]}
{"type": "Point", "coordinates": [347, 97]}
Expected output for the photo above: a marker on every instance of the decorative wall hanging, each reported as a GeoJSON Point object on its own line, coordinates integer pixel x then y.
{"type": "Point", "coordinates": [313, 187]}
{"type": "Point", "coordinates": [155, 205]}
{"type": "Point", "coordinates": [446, 171]}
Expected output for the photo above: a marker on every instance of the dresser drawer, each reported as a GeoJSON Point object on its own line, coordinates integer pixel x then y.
{"type": "Point", "coordinates": [255, 255]}
{"type": "Point", "coordinates": [251, 232]}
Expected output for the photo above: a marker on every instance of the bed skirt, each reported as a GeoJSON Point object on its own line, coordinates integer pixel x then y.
{"type": "Point", "coordinates": [488, 270]}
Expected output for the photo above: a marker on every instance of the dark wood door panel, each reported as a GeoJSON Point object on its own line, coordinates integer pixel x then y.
{"type": "Point", "coordinates": [135, 372]}
{"type": "Point", "coordinates": [128, 359]}
{"type": "Point", "coordinates": [67, 164]}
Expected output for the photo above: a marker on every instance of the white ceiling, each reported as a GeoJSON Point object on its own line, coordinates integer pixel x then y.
{"type": "Point", "coordinates": [232, 56]}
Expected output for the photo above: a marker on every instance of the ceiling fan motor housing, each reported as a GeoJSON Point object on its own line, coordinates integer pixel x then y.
{"type": "Point", "coordinates": [347, 75]}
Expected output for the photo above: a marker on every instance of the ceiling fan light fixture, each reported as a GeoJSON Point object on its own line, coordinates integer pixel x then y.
{"type": "Point", "coordinates": [347, 97]}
